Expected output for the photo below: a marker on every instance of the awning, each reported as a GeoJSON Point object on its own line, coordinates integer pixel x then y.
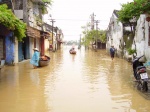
{"type": "Point", "coordinates": [46, 35]}
{"type": "Point", "coordinates": [33, 32]}
{"type": "Point", "coordinates": [59, 41]}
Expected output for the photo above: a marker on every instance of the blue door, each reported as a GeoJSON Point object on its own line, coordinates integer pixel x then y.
{"type": "Point", "coordinates": [9, 46]}
{"type": "Point", "coordinates": [20, 51]}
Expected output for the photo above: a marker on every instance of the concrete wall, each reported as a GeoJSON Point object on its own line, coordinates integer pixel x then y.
{"type": "Point", "coordinates": [142, 37]}
{"type": "Point", "coordinates": [115, 35]}
{"type": "Point", "coordinates": [16, 52]}
{"type": "Point", "coordinates": [46, 45]}
{"type": "Point", "coordinates": [31, 40]}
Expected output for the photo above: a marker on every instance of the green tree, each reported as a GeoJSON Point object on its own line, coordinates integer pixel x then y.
{"type": "Point", "coordinates": [46, 5]}
{"type": "Point", "coordinates": [92, 35]}
{"type": "Point", "coordinates": [84, 40]}
{"type": "Point", "coordinates": [9, 20]}
{"type": "Point", "coordinates": [133, 9]}
{"type": "Point", "coordinates": [102, 36]}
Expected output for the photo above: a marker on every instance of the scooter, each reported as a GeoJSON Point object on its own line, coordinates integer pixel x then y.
{"type": "Point", "coordinates": [140, 74]}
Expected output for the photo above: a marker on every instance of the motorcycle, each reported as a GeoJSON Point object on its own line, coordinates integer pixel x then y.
{"type": "Point", "coordinates": [140, 74]}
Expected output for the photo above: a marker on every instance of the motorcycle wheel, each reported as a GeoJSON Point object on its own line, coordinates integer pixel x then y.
{"type": "Point", "coordinates": [144, 86]}
{"type": "Point", "coordinates": [139, 85]}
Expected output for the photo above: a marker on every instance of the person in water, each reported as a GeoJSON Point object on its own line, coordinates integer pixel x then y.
{"type": "Point", "coordinates": [112, 52]}
{"type": "Point", "coordinates": [72, 49]}
{"type": "Point", "coordinates": [35, 58]}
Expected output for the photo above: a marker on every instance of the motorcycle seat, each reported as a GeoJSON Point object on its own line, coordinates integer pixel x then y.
{"type": "Point", "coordinates": [140, 67]}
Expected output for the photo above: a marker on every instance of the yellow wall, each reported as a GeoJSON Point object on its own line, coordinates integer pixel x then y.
{"type": "Point", "coordinates": [46, 45]}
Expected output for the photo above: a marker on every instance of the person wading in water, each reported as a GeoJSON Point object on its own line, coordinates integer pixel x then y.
{"type": "Point", "coordinates": [112, 52]}
{"type": "Point", "coordinates": [35, 58]}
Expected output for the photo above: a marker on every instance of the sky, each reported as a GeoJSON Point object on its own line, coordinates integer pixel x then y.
{"type": "Point", "coordinates": [71, 15]}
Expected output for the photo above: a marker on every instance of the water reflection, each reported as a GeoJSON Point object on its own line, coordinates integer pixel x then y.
{"type": "Point", "coordinates": [34, 76]}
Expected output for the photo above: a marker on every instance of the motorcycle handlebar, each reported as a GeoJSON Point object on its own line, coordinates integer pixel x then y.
{"type": "Point", "coordinates": [140, 57]}
{"type": "Point", "coordinates": [137, 58]}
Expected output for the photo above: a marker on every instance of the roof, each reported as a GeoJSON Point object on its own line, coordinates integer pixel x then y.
{"type": "Point", "coordinates": [116, 13]}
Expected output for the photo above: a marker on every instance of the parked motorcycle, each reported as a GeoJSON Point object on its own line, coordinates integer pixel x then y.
{"type": "Point", "coordinates": [140, 73]}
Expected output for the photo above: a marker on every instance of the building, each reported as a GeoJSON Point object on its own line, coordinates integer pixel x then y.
{"type": "Point", "coordinates": [115, 35]}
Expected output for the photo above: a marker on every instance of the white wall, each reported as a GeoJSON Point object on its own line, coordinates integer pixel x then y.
{"type": "Point", "coordinates": [38, 43]}
{"type": "Point", "coordinates": [31, 40]}
{"type": "Point", "coordinates": [116, 34]}
{"type": "Point", "coordinates": [16, 60]}
{"type": "Point", "coordinates": [46, 45]}
{"type": "Point", "coordinates": [141, 37]}
{"type": "Point", "coordinates": [146, 47]}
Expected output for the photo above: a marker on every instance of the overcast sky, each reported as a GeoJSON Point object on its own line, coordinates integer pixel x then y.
{"type": "Point", "coordinates": [70, 15]}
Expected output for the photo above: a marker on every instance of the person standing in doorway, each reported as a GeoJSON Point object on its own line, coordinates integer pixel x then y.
{"type": "Point", "coordinates": [35, 58]}
{"type": "Point", "coordinates": [112, 52]}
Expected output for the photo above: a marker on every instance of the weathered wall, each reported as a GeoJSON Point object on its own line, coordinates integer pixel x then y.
{"type": "Point", "coordinates": [9, 45]}
{"type": "Point", "coordinates": [16, 51]}
{"type": "Point", "coordinates": [142, 37]}
{"type": "Point", "coordinates": [115, 35]}
{"type": "Point", "coordinates": [31, 44]}
{"type": "Point", "coordinates": [46, 45]}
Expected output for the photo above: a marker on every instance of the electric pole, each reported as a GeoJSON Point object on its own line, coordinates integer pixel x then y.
{"type": "Point", "coordinates": [79, 42]}
{"type": "Point", "coordinates": [96, 32]}
{"type": "Point", "coordinates": [52, 20]}
{"type": "Point", "coordinates": [92, 21]}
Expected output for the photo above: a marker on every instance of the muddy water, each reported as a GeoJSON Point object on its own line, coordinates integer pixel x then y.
{"type": "Point", "coordinates": [86, 82]}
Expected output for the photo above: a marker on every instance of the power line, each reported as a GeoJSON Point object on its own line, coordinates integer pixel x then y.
{"type": "Point", "coordinates": [52, 20]}
{"type": "Point", "coordinates": [72, 19]}
{"type": "Point", "coordinates": [78, 20]}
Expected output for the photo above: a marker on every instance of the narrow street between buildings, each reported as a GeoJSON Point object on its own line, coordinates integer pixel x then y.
{"type": "Point", "coordinates": [87, 81]}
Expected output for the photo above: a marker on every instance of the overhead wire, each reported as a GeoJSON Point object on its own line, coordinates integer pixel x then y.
{"type": "Point", "coordinates": [75, 20]}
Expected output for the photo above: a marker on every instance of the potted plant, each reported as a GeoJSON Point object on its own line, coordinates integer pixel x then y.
{"type": "Point", "coordinates": [131, 51]}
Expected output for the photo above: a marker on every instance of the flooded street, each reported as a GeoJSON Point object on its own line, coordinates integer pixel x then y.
{"type": "Point", "coordinates": [86, 82]}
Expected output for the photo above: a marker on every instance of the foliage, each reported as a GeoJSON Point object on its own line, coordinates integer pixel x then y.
{"type": "Point", "coordinates": [131, 51]}
{"type": "Point", "coordinates": [128, 39]}
{"type": "Point", "coordinates": [84, 40]}
{"type": "Point", "coordinates": [133, 9]}
{"type": "Point", "coordinates": [102, 36]}
{"type": "Point", "coordinates": [92, 35]}
{"type": "Point", "coordinates": [46, 4]}
{"type": "Point", "coordinates": [9, 20]}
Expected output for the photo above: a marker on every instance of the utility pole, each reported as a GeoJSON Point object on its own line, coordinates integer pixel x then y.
{"type": "Point", "coordinates": [96, 32]}
{"type": "Point", "coordinates": [92, 21]}
{"type": "Point", "coordinates": [79, 42]}
{"type": "Point", "coordinates": [52, 20]}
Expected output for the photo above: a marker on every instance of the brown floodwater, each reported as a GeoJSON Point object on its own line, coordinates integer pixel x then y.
{"type": "Point", "coordinates": [86, 82]}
